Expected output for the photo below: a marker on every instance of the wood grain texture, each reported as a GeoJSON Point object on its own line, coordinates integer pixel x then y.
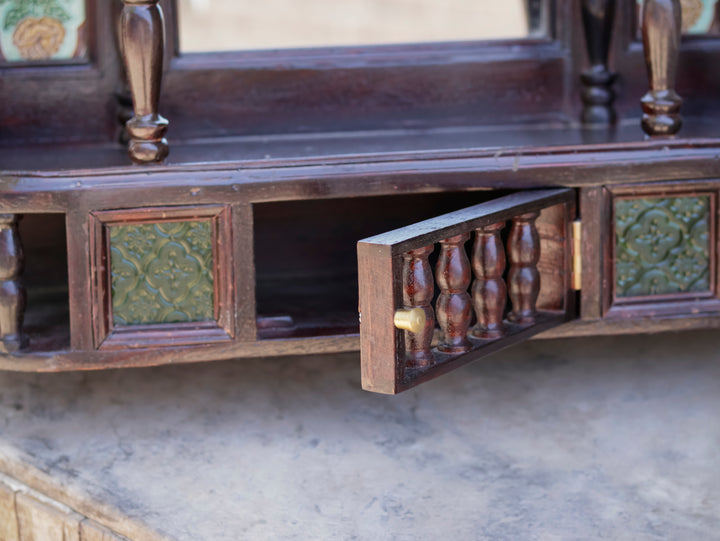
{"type": "Point", "coordinates": [8, 517]}
{"type": "Point", "coordinates": [454, 306]}
{"type": "Point", "coordinates": [418, 290]}
{"type": "Point", "coordinates": [382, 363]}
{"type": "Point", "coordinates": [142, 31]}
{"type": "Point", "coordinates": [524, 277]}
{"type": "Point", "coordinates": [489, 290]}
{"type": "Point", "coordinates": [42, 521]}
{"type": "Point", "coordinates": [661, 42]}
{"type": "Point", "coordinates": [597, 94]}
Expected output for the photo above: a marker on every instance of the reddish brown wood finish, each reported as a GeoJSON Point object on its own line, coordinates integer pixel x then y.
{"type": "Point", "coordinates": [12, 292]}
{"type": "Point", "coordinates": [143, 45]}
{"type": "Point", "coordinates": [524, 277]}
{"type": "Point", "coordinates": [597, 94]}
{"type": "Point", "coordinates": [662, 21]}
{"type": "Point", "coordinates": [418, 291]}
{"type": "Point", "coordinates": [384, 364]}
{"type": "Point", "coordinates": [489, 289]}
{"type": "Point", "coordinates": [453, 307]}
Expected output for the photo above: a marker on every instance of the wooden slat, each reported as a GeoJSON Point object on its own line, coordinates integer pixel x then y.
{"type": "Point", "coordinates": [8, 517]}
{"type": "Point", "coordinates": [92, 531]}
{"type": "Point", "coordinates": [41, 521]}
{"type": "Point", "coordinates": [454, 223]}
{"type": "Point", "coordinates": [378, 278]}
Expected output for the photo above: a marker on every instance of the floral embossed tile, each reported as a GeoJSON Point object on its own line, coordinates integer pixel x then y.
{"type": "Point", "coordinates": [42, 30]}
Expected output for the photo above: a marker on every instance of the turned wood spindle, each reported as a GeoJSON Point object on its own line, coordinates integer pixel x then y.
{"type": "Point", "coordinates": [489, 290]}
{"type": "Point", "coordinates": [661, 27]}
{"type": "Point", "coordinates": [524, 277]}
{"type": "Point", "coordinates": [597, 94]}
{"type": "Point", "coordinates": [142, 31]}
{"type": "Point", "coordinates": [12, 292]}
{"type": "Point", "coordinates": [453, 308]}
{"type": "Point", "coordinates": [418, 291]}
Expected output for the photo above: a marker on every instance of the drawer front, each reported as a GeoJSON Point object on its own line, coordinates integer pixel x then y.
{"type": "Point", "coordinates": [511, 282]}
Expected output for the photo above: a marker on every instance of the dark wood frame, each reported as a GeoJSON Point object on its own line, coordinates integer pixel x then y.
{"type": "Point", "coordinates": [380, 263]}
{"type": "Point", "coordinates": [109, 336]}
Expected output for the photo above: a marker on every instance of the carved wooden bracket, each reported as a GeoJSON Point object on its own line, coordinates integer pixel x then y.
{"type": "Point", "coordinates": [661, 40]}
{"type": "Point", "coordinates": [142, 36]}
{"type": "Point", "coordinates": [597, 94]}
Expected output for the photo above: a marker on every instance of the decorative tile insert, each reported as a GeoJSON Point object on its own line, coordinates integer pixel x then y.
{"type": "Point", "coordinates": [662, 246]}
{"type": "Point", "coordinates": [162, 273]}
{"type": "Point", "coordinates": [698, 16]}
{"type": "Point", "coordinates": [32, 30]}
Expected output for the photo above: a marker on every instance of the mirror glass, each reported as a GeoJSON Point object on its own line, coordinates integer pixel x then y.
{"type": "Point", "coordinates": [221, 25]}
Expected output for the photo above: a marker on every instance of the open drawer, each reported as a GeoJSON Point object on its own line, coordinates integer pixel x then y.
{"type": "Point", "coordinates": [516, 282]}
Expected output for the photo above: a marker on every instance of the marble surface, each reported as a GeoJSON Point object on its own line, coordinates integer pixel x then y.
{"type": "Point", "coordinates": [606, 438]}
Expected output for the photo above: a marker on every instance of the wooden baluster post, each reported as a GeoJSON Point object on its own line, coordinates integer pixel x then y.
{"type": "Point", "coordinates": [662, 22]}
{"type": "Point", "coordinates": [142, 29]}
{"type": "Point", "coordinates": [597, 93]}
{"type": "Point", "coordinates": [12, 292]}
{"type": "Point", "coordinates": [489, 290]}
{"type": "Point", "coordinates": [453, 307]}
{"type": "Point", "coordinates": [524, 277]}
{"type": "Point", "coordinates": [418, 291]}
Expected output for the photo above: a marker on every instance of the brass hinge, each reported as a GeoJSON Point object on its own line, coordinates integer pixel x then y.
{"type": "Point", "coordinates": [577, 255]}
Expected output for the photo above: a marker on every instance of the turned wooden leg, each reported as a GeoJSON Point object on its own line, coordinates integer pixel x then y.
{"type": "Point", "coordinates": [418, 291]}
{"type": "Point", "coordinates": [12, 292]}
{"type": "Point", "coordinates": [142, 31]}
{"type": "Point", "coordinates": [489, 289]}
{"type": "Point", "coordinates": [524, 277]}
{"type": "Point", "coordinates": [453, 306]}
{"type": "Point", "coordinates": [661, 41]}
{"type": "Point", "coordinates": [597, 93]}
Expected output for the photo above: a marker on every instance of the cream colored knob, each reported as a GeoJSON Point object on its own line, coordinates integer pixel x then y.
{"type": "Point", "coordinates": [412, 320]}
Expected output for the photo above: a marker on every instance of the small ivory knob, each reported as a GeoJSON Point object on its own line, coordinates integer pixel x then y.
{"type": "Point", "coordinates": [412, 320]}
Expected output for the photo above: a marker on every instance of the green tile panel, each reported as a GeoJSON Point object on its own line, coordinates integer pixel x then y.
{"type": "Point", "coordinates": [162, 273]}
{"type": "Point", "coordinates": [662, 246]}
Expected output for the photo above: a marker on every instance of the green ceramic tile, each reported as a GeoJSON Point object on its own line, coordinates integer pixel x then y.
{"type": "Point", "coordinates": [36, 30]}
{"type": "Point", "coordinates": [662, 246]}
{"type": "Point", "coordinates": [162, 273]}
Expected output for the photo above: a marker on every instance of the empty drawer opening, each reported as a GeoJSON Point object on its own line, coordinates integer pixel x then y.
{"type": "Point", "coordinates": [45, 277]}
{"type": "Point", "coordinates": [306, 261]}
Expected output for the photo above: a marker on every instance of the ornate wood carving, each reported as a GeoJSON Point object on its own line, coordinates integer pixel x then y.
{"type": "Point", "coordinates": [661, 40]}
{"type": "Point", "coordinates": [524, 277]}
{"type": "Point", "coordinates": [489, 289]}
{"type": "Point", "coordinates": [142, 30]}
{"type": "Point", "coordinates": [597, 93]}
{"type": "Point", "coordinates": [453, 306]}
{"type": "Point", "coordinates": [12, 292]}
{"type": "Point", "coordinates": [418, 291]}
